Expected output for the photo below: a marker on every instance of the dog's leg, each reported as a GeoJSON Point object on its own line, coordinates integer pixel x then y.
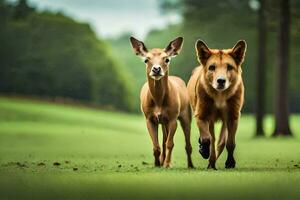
{"type": "Point", "coordinates": [204, 139]}
{"type": "Point", "coordinates": [222, 139]}
{"type": "Point", "coordinates": [153, 132]}
{"type": "Point", "coordinates": [212, 157]}
{"type": "Point", "coordinates": [171, 127]}
{"type": "Point", "coordinates": [232, 125]}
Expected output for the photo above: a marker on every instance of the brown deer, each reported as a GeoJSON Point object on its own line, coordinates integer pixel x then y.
{"type": "Point", "coordinates": [164, 99]}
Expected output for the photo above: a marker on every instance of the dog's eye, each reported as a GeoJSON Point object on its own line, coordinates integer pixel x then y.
{"type": "Point", "coordinates": [229, 67]}
{"type": "Point", "coordinates": [167, 60]}
{"type": "Point", "coordinates": [212, 68]}
{"type": "Point", "coordinates": [146, 60]}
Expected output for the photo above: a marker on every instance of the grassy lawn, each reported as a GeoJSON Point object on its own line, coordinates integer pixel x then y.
{"type": "Point", "coordinates": [50, 151]}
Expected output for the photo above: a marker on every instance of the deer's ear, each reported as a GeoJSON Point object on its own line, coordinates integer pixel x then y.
{"type": "Point", "coordinates": [238, 52]}
{"type": "Point", "coordinates": [203, 52]}
{"type": "Point", "coordinates": [173, 49]}
{"type": "Point", "coordinates": [138, 47]}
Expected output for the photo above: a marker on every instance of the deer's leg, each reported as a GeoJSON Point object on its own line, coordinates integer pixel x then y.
{"type": "Point", "coordinates": [204, 140]}
{"type": "Point", "coordinates": [171, 127]}
{"type": "Point", "coordinates": [163, 154]}
{"type": "Point", "coordinates": [153, 132]}
{"type": "Point", "coordinates": [230, 143]}
{"type": "Point", "coordinates": [222, 139]}
{"type": "Point", "coordinates": [212, 157]}
{"type": "Point", "coordinates": [185, 122]}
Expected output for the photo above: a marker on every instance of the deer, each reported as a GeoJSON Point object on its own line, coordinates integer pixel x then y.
{"type": "Point", "coordinates": [164, 100]}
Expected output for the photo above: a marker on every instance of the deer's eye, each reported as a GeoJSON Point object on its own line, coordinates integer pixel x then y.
{"type": "Point", "coordinates": [146, 60]}
{"type": "Point", "coordinates": [229, 67]}
{"type": "Point", "coordinates": [167, 60]}
{"type": "Point", "coordinates": [212, 68]}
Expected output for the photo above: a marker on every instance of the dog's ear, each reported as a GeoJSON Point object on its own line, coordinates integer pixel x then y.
{"type": "Point", "coordinates": [238, 52]}
{"type": "Point", "coordinates": [173, 49]}
{"type": "Point", "coordinates": [138, 47]}
{"type": "Point", "coordinates": [203, 52]}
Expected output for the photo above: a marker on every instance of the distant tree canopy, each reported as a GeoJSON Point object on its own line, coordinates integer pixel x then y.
{"type": "Point", "coordinates": [51, 55]}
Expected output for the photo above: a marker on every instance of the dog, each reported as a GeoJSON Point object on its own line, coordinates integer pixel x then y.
{"type": "Point", "coordinates": [216, 92]}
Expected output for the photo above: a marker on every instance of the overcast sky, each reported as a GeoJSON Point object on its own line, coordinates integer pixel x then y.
{"type": "Point", "coordinates": [110, 18]}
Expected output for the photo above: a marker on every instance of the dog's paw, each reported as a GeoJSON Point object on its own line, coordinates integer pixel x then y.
{"type": "Point", "coordinates": [204, 146]}
{"type": "Point", "coordinates": [230, 164]}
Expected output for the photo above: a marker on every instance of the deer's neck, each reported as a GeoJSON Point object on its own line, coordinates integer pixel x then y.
{"type": "Point", "coordinates": [159, 89]}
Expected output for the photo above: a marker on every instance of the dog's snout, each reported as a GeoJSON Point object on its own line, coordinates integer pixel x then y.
{"type": "Point", "coordinates": [156, 69]}
{"type": "Point", "coordinates": [221, 81]}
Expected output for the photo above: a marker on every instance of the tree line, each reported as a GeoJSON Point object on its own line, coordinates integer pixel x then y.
{"type": "Point", "coordinates": [50, 55]}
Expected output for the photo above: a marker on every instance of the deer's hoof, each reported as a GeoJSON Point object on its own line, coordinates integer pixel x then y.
{"type": "Point", "coordinates": [211, 166]}
{"type": "Point", "coordinates": [191, 166]}
{"type": "Point", "coordinates": [157, 163]}
{"type": "Point", "coordinates": [204, 148]}
{"type": "Point", "coordinates": [167, 165]}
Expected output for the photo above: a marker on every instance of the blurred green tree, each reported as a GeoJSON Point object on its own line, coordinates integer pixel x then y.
{"type": "Point", "coordinates": [261, 68]}
{"type": "Point", "coordinates": [22, 9]}
{"type": "Point", "coordinates": [51, 55]}
{"type": "Point", "coordinates": [281, 87]}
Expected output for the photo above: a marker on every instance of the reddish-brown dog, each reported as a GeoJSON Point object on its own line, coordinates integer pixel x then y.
{"type": "Point", "coordinates": [216, 92]}
{"type": "Point", "coordinates": [164, 99]}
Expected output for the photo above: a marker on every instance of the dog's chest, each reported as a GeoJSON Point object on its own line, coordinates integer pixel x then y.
{"type": "Point", "coordinates": [220, 102]}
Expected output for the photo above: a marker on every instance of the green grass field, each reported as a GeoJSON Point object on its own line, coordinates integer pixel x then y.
{"type": "Point", "coordinates": [50, 151]}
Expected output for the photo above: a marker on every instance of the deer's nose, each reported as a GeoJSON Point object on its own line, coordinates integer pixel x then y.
{"type": "Point", "coordinates": [156, 69]}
